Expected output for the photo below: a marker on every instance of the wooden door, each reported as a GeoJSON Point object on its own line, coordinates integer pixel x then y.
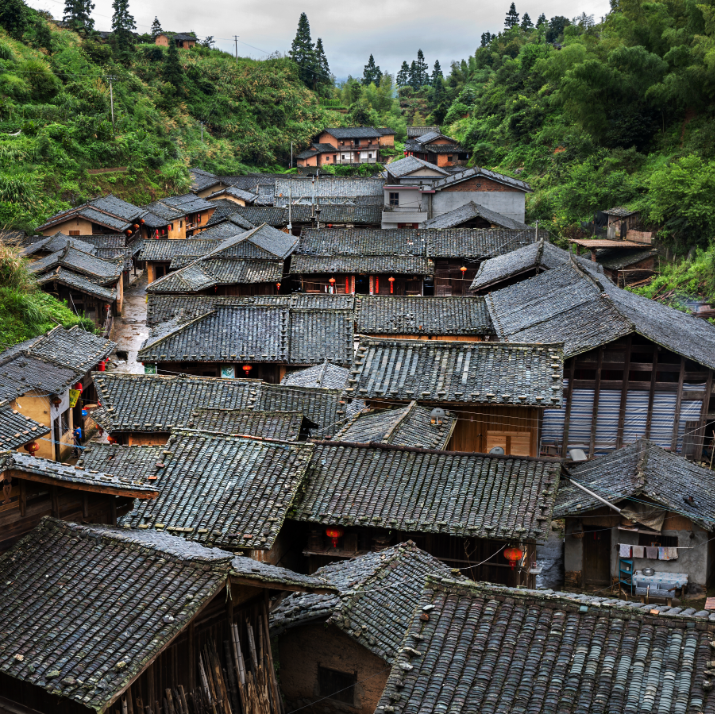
{"type": "Point", "coordinates": [597, 556]}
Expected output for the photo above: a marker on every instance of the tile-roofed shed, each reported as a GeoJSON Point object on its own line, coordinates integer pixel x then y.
{"type": "Point", "coordinates": [376, 595]}
{"type": "Point", "coordinates": [471, 372]}
{"type": "Point", "coordinates": [486, 648]}
{"type": "Point", "coordinates": [78, 282]}
{"type": "Point", "coordinates": [428, 491]}
{"type": "Point", "coordinates": [641, 471]}
{"type": "Point", "coordinates": [103, 271]}
{"type": "Point", "coordinates": [150, 402]}
{"type": "Point", "coordinates": [223, 490]}
{"type": "Point", "coordinates": [415, 315]}
{"type": "Point", "coordinates": [409, 426]}
{"type": "Point", "coordinates": [17, 429]}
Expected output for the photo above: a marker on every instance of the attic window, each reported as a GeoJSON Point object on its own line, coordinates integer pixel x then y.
{"type": "Point", "coordinates": [339, 686]}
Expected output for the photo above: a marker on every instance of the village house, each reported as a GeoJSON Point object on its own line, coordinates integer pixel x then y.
{"type": "Point", "coordinates": [462, 508]}
{"type": "Point", "coordinates": [48, 378]}
{"type": "Point", "coordinates": [500, 393]}
{"type": "Point", "coordinates": [634, 368]}
{"type": "Point", "coordinates": [417, 191]}
{"type": "Point", "coordinates": [248, 263]}
{"type": "Point", "coordinates": [89, 285]}
{"type": "Point", "coordinates": [208, 633]}
{"type": "Point", "coordinates": [177, 217]}
{"type": "Point", "coordinates": [32, 488]}
{"type": "Point", "coordinates": [142, 409]}
{"type": "Point", "coordinates": [472, 647]}
{"type": "Point", "coordinates": [436, 148]}
{"type": "Point", "coordinates": [183, 40]}
{"type": "Point", "coordinates": [158, 255]}
{"type": "Point", "coordinates": [328, 190]}
{"type": "Point", "coordinates": [347, 145]}
{"type": "Point", "coordinates": [259, 341]}
{"type": "Point", "coordinates": [337, 646]}
{"type": "Point", "coordinates": [233, 194]}
{"type": "Point", "coordinates": [638, 507]}
{"type": "Point", "coordinates": [204, 183]}
{"type": "Point", "coordinates": [104, 215]}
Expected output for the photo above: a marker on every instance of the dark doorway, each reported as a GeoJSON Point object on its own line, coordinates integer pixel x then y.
{"type": "Point", "coordinates": [597, 555]}
{"type": "Point", "coordinates": [362, 285]}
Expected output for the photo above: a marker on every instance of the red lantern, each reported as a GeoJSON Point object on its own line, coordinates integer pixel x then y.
{"type": "Point", "coordinates": [32, 447]}
{"type": "Point", "coordinates": [335, 532]}
{"type": "Point", "coordinates": [78, 387]}
{"type": "Point", "coordinates": [247, 368]}
{"type": "Point", "coordinates": [464, 270]}
{"type": "Point", "coordinates": [513, 555]}
{"type": "Point", "coordinates": [101, 367]}
{"type": "Point", "coordinates": [347, 285]}
{"type": "Point", "coordinates": [377, 285]}
{"type": "Point", "coordinates": [391, 280]}
{"type": "Point", "coordinates": [278, 286]}
{"type": "Point", "coordinates": [111, 440]}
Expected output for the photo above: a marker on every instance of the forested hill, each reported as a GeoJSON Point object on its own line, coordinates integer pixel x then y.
{"type": "Point", "coordinates": [596, 115]}
{"type": "Point", "coordinates": [56, 124]}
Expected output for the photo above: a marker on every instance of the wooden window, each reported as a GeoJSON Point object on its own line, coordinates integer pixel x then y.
{"type": "Point", "coordinates": [394, 198]}
{"type": "Point", "coordinates": [516, 443]}
{"type": "Point", "coordinates": [74, 233]}
{"type": "Point", "coordinates": [337, 685]}
{"type": "Point", "coordinates": [449, 158]}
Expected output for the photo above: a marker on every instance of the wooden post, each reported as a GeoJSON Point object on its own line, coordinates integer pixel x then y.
{"type": "Point", "coordinates": [192, 658]}
{"type": "Point", "coordinates": [651, 392]}
{"type": "Point", "coordinates": [596, 399]}
{"type": "Point", "coordinates": [567, 415]}
{"type": "Point", "coordinates": [85, 505]}
{"type": "Point", "coordinates": [678, 402]}
{"type": "Point", "coordinates": [23, 498]}
{"type": "Point", "coordinates": [703, 417]}
{"type": "Point", "coordinates": [151, 688]}
{"type": "Point", "coordinates": [55, 503]}
{"type": "Point", "coordinates": [624, 392]}
{"type": "Point", "coordinates": [113, 510]}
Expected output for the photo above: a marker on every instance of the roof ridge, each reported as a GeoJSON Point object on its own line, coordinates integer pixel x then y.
{"type": "Point", "coordinates": [248, 437]}
{"type": "Point", "coordinates": [405, 413]}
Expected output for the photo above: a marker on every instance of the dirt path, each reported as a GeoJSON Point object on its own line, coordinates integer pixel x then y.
{"type": "Point", "coordinates": [130, 330]}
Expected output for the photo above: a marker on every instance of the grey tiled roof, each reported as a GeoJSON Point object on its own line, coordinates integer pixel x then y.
{"type": "Point", "coordinates": [149, 402]}
{"type": "Point", "coordinates": [17, 429]}
{"type": "Point", "coordinates": [484, 647]}
{"type": "Point", "coordinates": [376, 595]}
{"type": "Point", "coordinates": [619, 212]}
{"type": "Point", "coordinates": [224, 490]}
{"type": "Point", "coordinates": [468, 212]}
{"type": "Point", "coordinates": [637, 471]}
{"type": "Point", "coordinates": [584, 311]}
{"type": "Point", "coordinates": [285, 426]}
{"type": "Point", "coordinates": [78, 282]}
{"type": "Point", "coordinates": [236, 193]}
{"type": "Point", "coordinates": [414, 131]}
{"type": "Point", "coordinates": [427, 491]}
{"type": "Point", "coordinates": [57, 585]}
{"type": "Point", "coordinates": [188, 203]}
{"type": "Point", "coordinates": [103, 271]}
{"type": "Point", "coordinates": [255, 333]}
{"type": "Point", "coordinates": [476, 172]}
{"type": "Point", "coordinates": [326, 375]}
{"type": "Point", "coordinates": [136, 462]}
{"type": "Point", "coordinates": [201, 179]}
{"type": "Point", "coordinates": [616, 259]}
{"type": "Point", "coordinates": [165, 308]}
{"type": "Point", "coordinates": [408, 315]}
{"type": "Point", "coordinates": [59, 241]}
{"type": "Point", "coordinates": [134, 485]}
{"type": "Point", "coordinates": [160, 214]}
{"type": "Point", "coordinates": [410, 164]}
{"type": "Point", "coordinates": [354, 132]}
{"type": "Point", "coordinates": [409, 426]}
{"type": "Point", "coordinates": [475, 372]}
{"type": "Point", "coordinates": [108, 211]}
{"type": "Point", "coordinates": [245, 568]}
{"type": "Point", "coordinates": [296, 187]}
{"type": "Point", "coordinates": [275, 216]}
{"type": "Point", "coordinates": [225, 214]}
{"type": "Point", "coordinates": [373, 264]}
{"type": "Point", "coordinates": [50, 363]}
{"type": "Point", "coordinates": [166, 250]}
{"type": "Point", "coordinates": [106, 241]}
{"type": "Point", "coordinates": [477, 243]}
{"type": "Point", "coordinates": [207, 273]}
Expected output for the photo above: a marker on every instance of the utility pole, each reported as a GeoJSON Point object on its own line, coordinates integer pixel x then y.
{"type": "Point", "coordinates": [235, 40]}
{"type": "Point", "coordinates": [290, 208]}
{"type": "Point", "coordinates": [291, 155]}
{"type": "Point", "coordinates": [111, 98]}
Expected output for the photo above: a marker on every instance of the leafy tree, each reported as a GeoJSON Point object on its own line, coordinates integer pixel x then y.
{"type": "Point", "coordinates": [556, 28]}
{"type": "Point", "coordinates": [487, 37]}
{"type": "Point", "coordinates": [422, 75]}
{"type": "Point", "coordinates": [122, 26]}
{"type": "Point", "coordinates": [542, 20]}
{"type": "Point", "coordinates": [78, 14]}
{"type": "Point", "coordinates": [302, 52]}
{"type": "Point", "coordinates": [43, 36]}
{"type": "Point", "coordinates": [512, 17]}
{"type": "Point", "coordinates": [172, 70]}
{"type": "Point", "coordinates": [13, 17]}
{"type": "Point", "coordinates": [526, 23]}
{"type": "Point", "coordinates": [436, 73]}
{"type": "Point", "coordinates": [403, 76]}
{"type": "Point", "coordinates": [156, 27]}
{"type": "Point", "coordinates": [208, 42]}
{"type": "Point", "coordinates": [371, 73]}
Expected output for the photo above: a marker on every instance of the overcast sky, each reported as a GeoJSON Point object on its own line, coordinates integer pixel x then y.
{"type": "Point", "coordinates": [392, 30]}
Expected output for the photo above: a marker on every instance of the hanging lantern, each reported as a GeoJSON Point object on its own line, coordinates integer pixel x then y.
{"type": "Point", "coordinates": [513, 555]}
{"type": "Point", "coordinates": [78, 387]}
{"type": "Point", "coordinates": [464, 270]}
{"type": "Point", "coordinates": [56, 401]}
{"type": "Point", "coordinates": [335, 532]}
{"type": "Point", "coordinates": [347, 285]}
{"type": "Point", "coordinates": [247, 369]}
{"type": "Point", "coordinates": [111, 439]}
{"type": "Point", "coordinates": [32, 447]}
{"type": "Point", "coordinates": [377, 285]}
{"type": "Point", "coordinates": [278, 286]}
{"type": "Point", "coordinates": [391, 280]}
{"type": "Point", "coordinates": [101, 367]}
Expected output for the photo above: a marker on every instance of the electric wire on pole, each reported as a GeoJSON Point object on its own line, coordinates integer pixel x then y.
{"type": "Point", "coordinates": [111, 79]}
{"type": "Point", "coordinates": [235, 39]}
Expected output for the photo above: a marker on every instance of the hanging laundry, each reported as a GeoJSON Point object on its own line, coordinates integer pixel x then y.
{"type": "Point", "coordinates": [625, 550]}
{"type": "Point", "coordinates": [662, 555]}
{"type": "Point", "coordinates": [639, 551]}
{"type": "Point", "coordinates": [651, 552]}
{"type": "Point", "coordinates": [672, 553]}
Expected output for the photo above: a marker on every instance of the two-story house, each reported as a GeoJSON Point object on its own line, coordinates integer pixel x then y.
{"type": "Point", "coordinates": [347, 145]}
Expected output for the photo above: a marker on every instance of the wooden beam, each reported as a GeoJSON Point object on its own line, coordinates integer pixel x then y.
{"type": "Point", "coordinates": [92, 488]}
{"type": "Point", "coordinates": [567, 415]}
{"type": "Point", "coordinates": [678, 402]}
{"type": "Point", "coordinates": [624, 393]}
{"type": "Point", "coordinates": [651, 395]}
{"type": "Point", "coordinates": [280, 586]}
{"type": "Point", "coordinates": [596, 399]}
{"type": "Point", "coordinates": [704, 416]}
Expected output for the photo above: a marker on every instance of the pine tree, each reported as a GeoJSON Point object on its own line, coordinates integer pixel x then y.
{"type": "Point", "coordinates": [172, 71]}
{"type": "Point", "coordinates": [13, 17]}
{"type": "Point", "coordinates": [78, 14]}
{"type": "Point", "coordinates": [156, 27]}
{"type": "Point", "coordinates": [542, 20]}
{"type": "Point", "coordinates": [512, 17]}
{"type": "Point", "coordinates": [436, 73]}
{"type": "Point", "coordinates": [371, 73]}
{"type": "Point", "coordinates": [403, 76]}
{"type": "Point", "coordinates": [487, 37]}
{"type": "Point", "coordinates": [302, 52]}
{"type": "Point", "coordinates": [422, 73]}
{"type": "Point", "coordinates": [526, 23]}
{"type": "Point", "coordinates": [414, 76]}
{"type": "Point", "coordinates": [122, 26]}
{"type": "Point", "coordinates": [322, 63]}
